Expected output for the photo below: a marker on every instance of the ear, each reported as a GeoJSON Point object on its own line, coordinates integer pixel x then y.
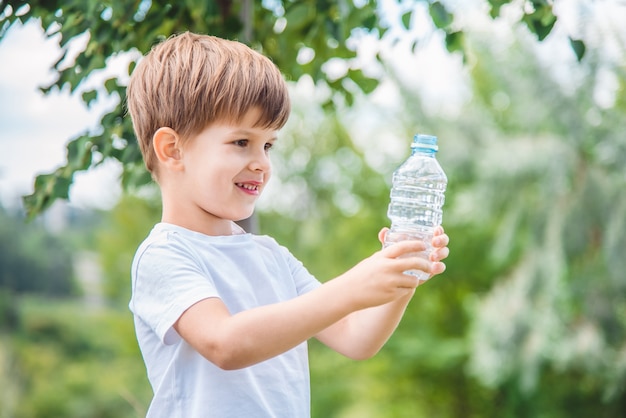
{"type": "Point", "coordinates": [166, 143]}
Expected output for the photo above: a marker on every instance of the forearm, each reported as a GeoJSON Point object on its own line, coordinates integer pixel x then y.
{"type": "Point", "coordinates": [363, 333]}
{"type": "Point", "coordinates": [248, 337]}
{"type": "Point", "coordinates": [258, 334]}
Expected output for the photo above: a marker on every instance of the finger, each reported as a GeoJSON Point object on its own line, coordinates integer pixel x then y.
{"type": "Point", "coordinates": [438, 230]}
{"type": "Point", "coordinates": [440, 241]}
{"type": "Point", "coordinates": [439, 254]}
{"type": "Point", "coordinates": [403, 247]}
{"type": "Point", "coordinates": [413, 263]}
{"type": "Point", "coordinates": [437, 268]}
{"type": "Point", "coordinates": [381, 235]}
{"type": "Point", "coordinates": [408, 281]}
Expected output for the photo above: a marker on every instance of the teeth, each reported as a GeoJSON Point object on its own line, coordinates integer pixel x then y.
{"type": "Point", "coordinates": [248, 186]}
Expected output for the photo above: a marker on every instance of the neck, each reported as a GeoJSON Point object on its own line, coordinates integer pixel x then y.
{"type": "Point", "coordinates": [195, 219]}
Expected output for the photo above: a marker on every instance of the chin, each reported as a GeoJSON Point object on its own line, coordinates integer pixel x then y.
{"type": "Point", "coordinates": [242, 217]}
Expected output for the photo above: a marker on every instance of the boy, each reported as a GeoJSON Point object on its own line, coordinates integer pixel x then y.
{"type": "Point", "coordinates": [222, 316]}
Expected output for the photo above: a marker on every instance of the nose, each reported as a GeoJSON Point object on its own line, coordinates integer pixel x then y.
{"type": "Point", "coordinates": [261, 161]}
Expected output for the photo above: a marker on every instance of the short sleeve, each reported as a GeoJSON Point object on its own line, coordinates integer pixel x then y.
{"type": "Point", "coordinates": [303, 279]}
{"type": "Point", "coordinates": [167, 280]}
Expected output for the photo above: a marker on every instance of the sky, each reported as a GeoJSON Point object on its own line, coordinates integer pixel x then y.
{"type": "Point", "coordinates": [34, 128]}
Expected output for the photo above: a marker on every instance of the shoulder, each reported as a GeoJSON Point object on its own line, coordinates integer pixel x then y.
{"type": "Point", "coordinates": [266, 241]}
{"type": "Point", "coordinates": [163, 247]}
{"type": "Point", "coordinates": [280, 253]}
{"type": "Point", "coordinates": [270, 244]}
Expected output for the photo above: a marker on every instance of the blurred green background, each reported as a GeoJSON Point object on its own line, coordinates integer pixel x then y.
{"type": "Point", "coordinates": [529, 320]}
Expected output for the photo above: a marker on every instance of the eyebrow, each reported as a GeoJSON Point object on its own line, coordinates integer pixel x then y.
{"type": "Point", "coordinates": [251, 132]}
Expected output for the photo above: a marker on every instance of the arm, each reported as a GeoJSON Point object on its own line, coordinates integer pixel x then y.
{"type": "Point", "coordinates": [249, 337]}
{"type": "Point", "coordinates": [362, 334]}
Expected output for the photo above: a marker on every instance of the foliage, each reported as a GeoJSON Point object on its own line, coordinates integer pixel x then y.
{"type": "Point", "coordinates": [301, 37]}
{"type": "Point", "coordinates": [116, 247]}
{"type": "Point", "coordinates": [544, 173]}
{"type": "Point", "coordinates": [67, 360]}
{"type": "Point", "coordinates": [32, 260]}
{"type": "Point", "coordinates": [528, 319]}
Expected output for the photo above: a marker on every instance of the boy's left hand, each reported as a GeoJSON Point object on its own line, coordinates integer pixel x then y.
{"type": "Point", "coordinates": [439, 252]}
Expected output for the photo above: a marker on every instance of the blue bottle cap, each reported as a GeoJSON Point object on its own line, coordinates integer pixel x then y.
{"type": "Point", "coordinates": [425, 142]}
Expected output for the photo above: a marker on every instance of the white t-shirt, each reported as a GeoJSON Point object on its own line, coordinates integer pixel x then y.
{"type": "Point", "coordinates": [173, 269]}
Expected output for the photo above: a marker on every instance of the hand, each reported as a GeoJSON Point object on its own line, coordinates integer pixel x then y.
{"type": "Point", "coordinates": [439, 251]}
{"type": "Point", "coordinates": [380, 278]}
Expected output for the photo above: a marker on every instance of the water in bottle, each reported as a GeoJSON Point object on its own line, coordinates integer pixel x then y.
{"type": "Point", "coordinates": [417, 197]}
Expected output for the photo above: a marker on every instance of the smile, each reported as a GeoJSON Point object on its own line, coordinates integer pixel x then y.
{"type": "Point", "coordinates": [251, 187]}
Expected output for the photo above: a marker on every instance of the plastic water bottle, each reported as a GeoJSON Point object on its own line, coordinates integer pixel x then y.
{"type": "Point", "coordinates": [417, 197]}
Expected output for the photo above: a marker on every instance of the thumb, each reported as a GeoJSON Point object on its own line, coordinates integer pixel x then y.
{"type": "Point", "coordinates": [381, 235]}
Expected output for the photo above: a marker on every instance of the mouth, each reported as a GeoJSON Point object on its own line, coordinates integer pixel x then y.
{"type": "Point", "coordinates": [250, 187]}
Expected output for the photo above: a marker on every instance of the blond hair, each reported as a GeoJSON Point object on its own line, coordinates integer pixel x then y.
{"type": "Point", "coordinates": [190, 81]}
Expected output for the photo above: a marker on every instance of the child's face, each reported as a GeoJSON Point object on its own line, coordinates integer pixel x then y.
{"type": "Point", "coordinates": [226, 168]}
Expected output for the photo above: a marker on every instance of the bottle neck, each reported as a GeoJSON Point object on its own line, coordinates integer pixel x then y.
{"type": "Point", "coordinates": [424, 152]}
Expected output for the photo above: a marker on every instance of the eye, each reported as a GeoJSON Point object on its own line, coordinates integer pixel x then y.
{"type": "Point", "coordinates": [268, 146]}
{"type": "Point", "coordinates": [241, 142]}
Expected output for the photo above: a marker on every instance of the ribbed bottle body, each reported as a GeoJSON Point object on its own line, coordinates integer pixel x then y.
{"type": "Point", "coordinates": [417, 197]}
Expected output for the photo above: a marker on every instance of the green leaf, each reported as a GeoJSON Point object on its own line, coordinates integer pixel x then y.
{"type": "Point", "coordinates": [540, 22]}
{"type": "Point", "coordinates": [89, 97]}
{"type": "Point", "coordinates": [79, 154]}
{"type": "Point", "coordinates": [111, 85]}
{"type": "Point", "coordinates": [495, 7]}
{"type": "Point", "coordinates": [579, 48]}
{"type": "Point", "coordinates": [135, 175]}
{"type": "Point", "coordinates": [48, 188]}
{"type": "Point", "coordinates": [406, 19]}
{"type": "Point", "coordinates": [370, 21]}
{"type": "Point", "coordinates": [455, 42]}
{"type": "Point", "coordinates": [299, 16]}
{"type": "Point", "coordinates": [440, 15]}
{"type": "Point", "coordinates": [366, 84]}
{"type": "Point", "coordinates": [131, 66]}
